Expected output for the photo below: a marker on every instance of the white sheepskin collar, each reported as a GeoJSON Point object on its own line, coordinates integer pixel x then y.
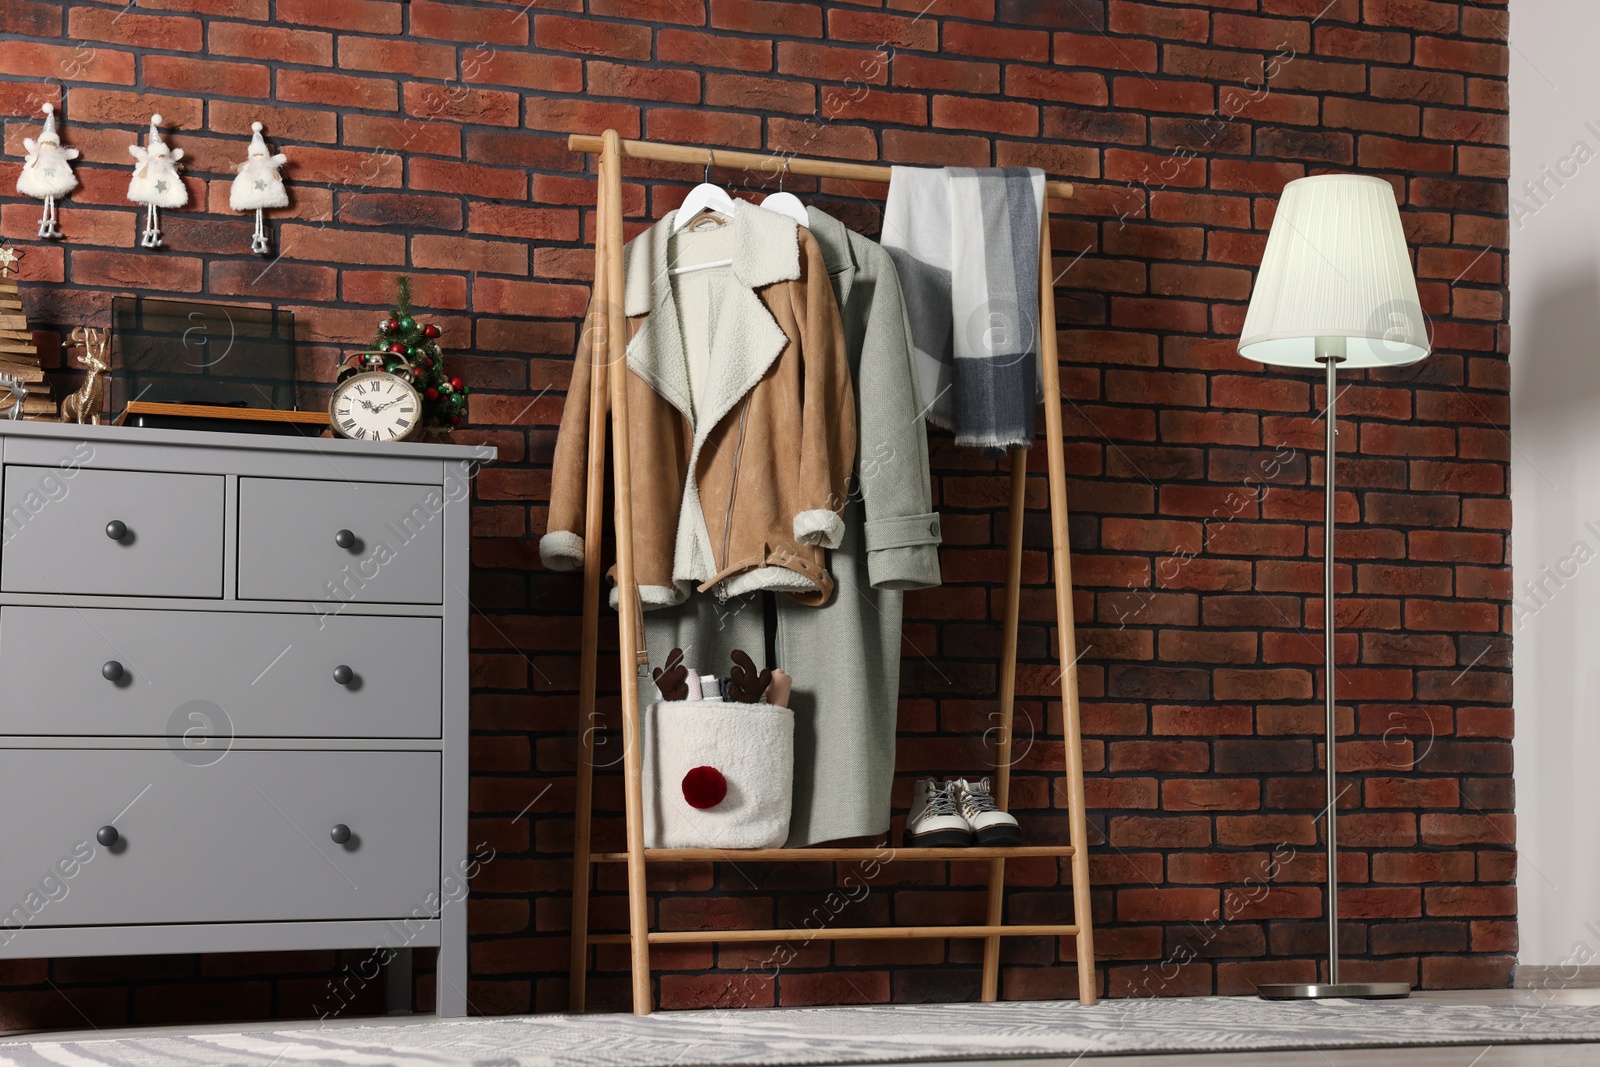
{"type": "Point", "coordinates": [766, 251]}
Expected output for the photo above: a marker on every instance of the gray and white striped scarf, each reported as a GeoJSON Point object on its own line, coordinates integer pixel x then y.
{"type": "Point", "coordinates": [965, 243]}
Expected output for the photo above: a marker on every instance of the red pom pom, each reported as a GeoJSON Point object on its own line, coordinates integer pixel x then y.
{"type": "Point", "coordinates": [430, 330]}
{"type": "Point", "coordinates": [704, 787]}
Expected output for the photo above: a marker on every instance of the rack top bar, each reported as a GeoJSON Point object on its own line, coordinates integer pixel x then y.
{"type": "Point", "coordinates": [770, 165]}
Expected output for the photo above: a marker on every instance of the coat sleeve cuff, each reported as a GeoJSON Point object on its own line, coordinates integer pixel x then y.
{"type": "Point", "coordinates": [903, 552]}
{"type": "Point", "coordinates": [819, 527]}
{"type": "Point", "coordinates": [561, 550]}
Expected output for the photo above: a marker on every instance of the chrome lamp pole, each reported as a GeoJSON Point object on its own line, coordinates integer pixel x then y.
{"type": "Point", "coordinates": [1335, 289]}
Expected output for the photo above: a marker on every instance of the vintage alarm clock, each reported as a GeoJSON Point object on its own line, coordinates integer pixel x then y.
{"type": "Point", "coordinates": [375, 405]}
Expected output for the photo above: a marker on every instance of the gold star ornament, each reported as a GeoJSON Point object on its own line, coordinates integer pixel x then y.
{"type": "Point", "coordinates": [8, 260]}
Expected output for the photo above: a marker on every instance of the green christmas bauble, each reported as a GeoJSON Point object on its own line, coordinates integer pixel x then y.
{"type": "Point", "coordinates": [408, 324]}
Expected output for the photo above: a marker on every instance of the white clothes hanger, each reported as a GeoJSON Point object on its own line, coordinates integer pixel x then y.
{"type": "Point", "coordinates": [704, 197]}
{"type": "Point", "coordinates": [787, 203]}
{"type": "Point", "coordinates": [675, 271]}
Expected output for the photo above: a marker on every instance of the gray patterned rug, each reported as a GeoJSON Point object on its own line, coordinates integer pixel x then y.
{"type": "Point", "coordinates": [802, 1036]}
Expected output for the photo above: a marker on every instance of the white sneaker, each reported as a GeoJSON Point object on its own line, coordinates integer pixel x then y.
{"type": "Point", "coordinates": [935, 821]}
{"type": "Point", "coordinates": [989, 824]}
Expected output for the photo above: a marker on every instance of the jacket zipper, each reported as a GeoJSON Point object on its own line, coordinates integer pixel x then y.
{"type": "Point", "coordinates": [733, 489]}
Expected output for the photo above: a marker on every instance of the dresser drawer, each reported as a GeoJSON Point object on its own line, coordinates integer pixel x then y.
{"type": "Point", "coordinates": [59, 533]}
{"type": "Point", "coordinates": [340, 542]}
{"type": "Point", "coordinates": [211, 675]}
{"type": "Point", "coordinates": [244, 840]}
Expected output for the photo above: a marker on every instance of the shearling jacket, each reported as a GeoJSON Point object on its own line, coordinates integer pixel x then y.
{"type": "Point", "coordinates": [741, 416]}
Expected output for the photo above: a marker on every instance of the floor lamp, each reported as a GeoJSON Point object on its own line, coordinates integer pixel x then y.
{"type": "Point", "coordinates": [1335, 289]}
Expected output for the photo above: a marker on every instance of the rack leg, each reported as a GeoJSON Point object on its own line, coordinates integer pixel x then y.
{"type": "Point", "coordinates": [631, 653]}
{"type": "Point", "coordinates": [589, 659]}
{"type": "Point", "coordinates": [1066, 629]}
{"type": "Point", "coordinates": [1008, 697]}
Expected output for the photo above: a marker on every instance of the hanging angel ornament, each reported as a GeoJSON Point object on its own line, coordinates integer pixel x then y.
{"type": "Point", "coordinates": [156, 183]}
{"type": "Point", "coordinates": [47, 174]}
{"type": "Point", "coordinates": [259, 186]}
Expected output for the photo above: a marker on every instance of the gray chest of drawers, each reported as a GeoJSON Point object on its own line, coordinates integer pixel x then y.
{"type": "Point", "coordinates": [233, 695]}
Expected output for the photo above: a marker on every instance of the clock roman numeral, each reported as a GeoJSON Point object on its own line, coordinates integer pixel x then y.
{"type": "Point", "coordinates": [348, 424]}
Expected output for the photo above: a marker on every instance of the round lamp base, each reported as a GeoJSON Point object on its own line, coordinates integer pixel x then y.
{"type": "Point", "coordinates": [1334, 990]}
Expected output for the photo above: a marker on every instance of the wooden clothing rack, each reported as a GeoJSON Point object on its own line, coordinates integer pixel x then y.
{"type": "Point", "coordinates": [607, 336]}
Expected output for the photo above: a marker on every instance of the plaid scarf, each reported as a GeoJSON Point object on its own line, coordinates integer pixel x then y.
{"type": "Point", "coordinates": [965, 243]}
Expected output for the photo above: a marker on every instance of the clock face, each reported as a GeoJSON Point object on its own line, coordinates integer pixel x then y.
{"type": "Point", "coordinates": [375, 407]}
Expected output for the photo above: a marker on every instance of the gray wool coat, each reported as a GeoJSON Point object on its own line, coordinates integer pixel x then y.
{"type": "Point", "coordinates": [844, 656]}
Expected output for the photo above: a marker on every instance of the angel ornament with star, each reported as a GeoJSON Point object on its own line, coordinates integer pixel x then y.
{"type": "Point", "coordinates": [47, 173]}
{"type": "Point", "coordinates": [156, 183]}
{"type": "Point", "coordinates": [259, 186]}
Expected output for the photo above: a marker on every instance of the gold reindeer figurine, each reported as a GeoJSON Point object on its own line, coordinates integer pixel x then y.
{"type": "Point", "coordinates": [84, 405]}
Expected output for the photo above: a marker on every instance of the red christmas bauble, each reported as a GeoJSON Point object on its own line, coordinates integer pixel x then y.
{"type": "Point", "coordinates": [397, 348]}
{"type": "Point", "coordinates": [390, 326]}
{"type": "Point", "coordinates": [704, 787]}
{"type": "Point", "coordinates": [456, 383]}
{"type": "Point", "coordinates": [431, 394]}
{"type": "Point", "coordinates": [430, 330]}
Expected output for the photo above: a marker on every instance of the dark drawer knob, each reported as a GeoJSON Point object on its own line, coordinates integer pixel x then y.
{"type": "Point", "coordinates": [107, 836]}
{"type": "Point", "coordinates": [344, 539]}
{"type": "Point", "coordinates": [116, 529]}
{"type": "Point", "coordinates": [340, 833]}
{"type": "Point", "coordinates": [343, 675]}
{"type": "Point", "coordinates": [111, 671]}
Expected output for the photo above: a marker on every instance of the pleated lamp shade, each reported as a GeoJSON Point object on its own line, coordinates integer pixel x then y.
{"type": "Point", "coordinates": [1336, 277]}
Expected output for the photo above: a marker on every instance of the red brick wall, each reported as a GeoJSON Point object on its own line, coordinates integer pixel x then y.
{"type": "Point", "coordinates": [429, 137]}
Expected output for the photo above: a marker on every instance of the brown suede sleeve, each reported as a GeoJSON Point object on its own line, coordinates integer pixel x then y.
{"type": "Point", "coordinates": [828, 406]}
{"type": "Point", "coordinates": [570, 467]}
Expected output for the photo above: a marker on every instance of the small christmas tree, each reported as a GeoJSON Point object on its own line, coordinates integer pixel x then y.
{"type": "Point", "coordinates": [19, 356]}
{"type": "Point", "coordinates": [410, 349]}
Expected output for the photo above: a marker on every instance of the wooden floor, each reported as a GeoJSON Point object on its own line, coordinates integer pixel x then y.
{"type": "Point", "coordinates": [1586, 1055]}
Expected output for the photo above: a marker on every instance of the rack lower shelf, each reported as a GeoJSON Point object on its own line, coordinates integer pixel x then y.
{"type": "Point", "coordinates": [841, 933]}
{"type": "Point", "coordinates": [813, 855]}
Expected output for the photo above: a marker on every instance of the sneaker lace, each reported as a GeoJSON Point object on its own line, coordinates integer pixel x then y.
{"type": "Point", "coordinates": [978, 799]}
{"type": "Point", "coordinates": [941, 801]}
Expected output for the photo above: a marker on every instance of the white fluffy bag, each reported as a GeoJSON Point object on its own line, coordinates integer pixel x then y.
{"type": "Point", "coordinates": [717, 774]}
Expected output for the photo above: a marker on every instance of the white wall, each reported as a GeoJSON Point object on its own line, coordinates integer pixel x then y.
{"type": "Point", "coordinates": [1555, 473]}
